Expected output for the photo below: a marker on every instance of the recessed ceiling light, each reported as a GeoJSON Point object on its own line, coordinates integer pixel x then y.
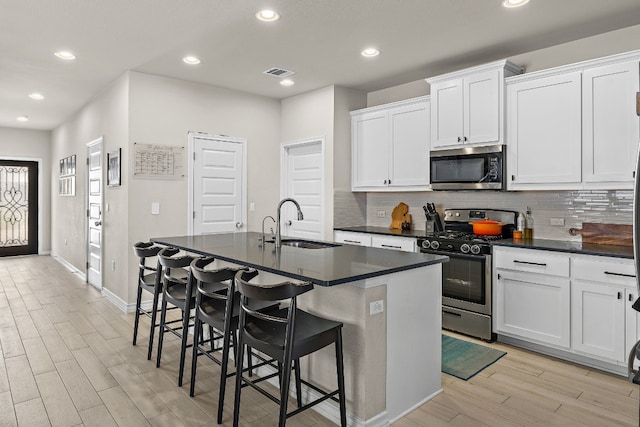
{"type": "Point", "coordinates": [191, 60]}
{"type": "Point", "coordinates": [22, 119]}
{"type": "Point", "coordinates": [514, 3]}
{"type": "Point", "coordinates": [65, 54]}
{"type": "Point", "coordinates": [267, 15]}
{"type": "Point", "coordinates": [286, 82]}
{"type": "Point", "coordinates": [370, 52]}
{"type": "Point", "coordinates": [37, 96]}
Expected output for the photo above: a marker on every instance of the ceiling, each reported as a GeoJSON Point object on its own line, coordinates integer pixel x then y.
{"type": "Point", "coordinates": [320, 40]}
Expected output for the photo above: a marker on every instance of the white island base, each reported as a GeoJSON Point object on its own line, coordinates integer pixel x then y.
{"type": "Point", "coordinates": [392, 358]}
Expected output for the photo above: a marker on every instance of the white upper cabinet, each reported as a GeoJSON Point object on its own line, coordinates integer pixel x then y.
{"type": "Point", "coordinates": [390, 146]}
{"type": "Point", "coordinates": [544, 131]}
{"type": "Point", "coordinates": [467, 106]}
{"type": "Point", "coordinates": [610, 124]}
{"type": "Point", "coordinates": [574, 127]}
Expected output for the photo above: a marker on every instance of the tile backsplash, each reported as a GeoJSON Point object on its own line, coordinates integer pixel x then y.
{"type": "Point", "coordinates": [574, 207]}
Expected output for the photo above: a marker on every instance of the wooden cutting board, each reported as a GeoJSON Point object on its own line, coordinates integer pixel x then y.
{"type": "Point", "coordinates": [398, 215]}
{"type": "Point", "coordinates": [605, 234]}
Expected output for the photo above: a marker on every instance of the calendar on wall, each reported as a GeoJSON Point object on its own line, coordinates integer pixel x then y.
{"type": "Point", "coordinates": [158, 161]}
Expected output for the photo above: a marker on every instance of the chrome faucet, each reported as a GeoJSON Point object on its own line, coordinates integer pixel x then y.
{"type": "Point", "coordinates": [262, 239]}
{"type": "Point", "coordinates": [300, 218]}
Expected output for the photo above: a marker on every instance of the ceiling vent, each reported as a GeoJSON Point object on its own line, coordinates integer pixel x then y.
{"type": "Point", "coordinates": [278, 72]}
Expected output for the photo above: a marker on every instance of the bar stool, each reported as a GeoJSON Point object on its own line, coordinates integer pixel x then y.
{"type": "Point", "coordinates": [215, 307]}
{"type": "Point", "coordinates": [177, 290]}
{"type": "Point", "coordinates": [150, 280]}
{"type": "Point", "coordinates": [285, 335]}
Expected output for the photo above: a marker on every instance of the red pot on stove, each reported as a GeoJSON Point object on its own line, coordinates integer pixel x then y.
{"type": "Point", "coordinates": [487, 227]}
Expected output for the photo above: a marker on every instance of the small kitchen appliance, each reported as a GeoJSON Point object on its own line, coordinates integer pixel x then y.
{"type": "Point", "coordinates": [467, 277]}
{"type": "Point", "coordinates": [469, 168]}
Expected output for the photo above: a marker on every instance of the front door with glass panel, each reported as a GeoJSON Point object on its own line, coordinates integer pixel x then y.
{"type": "Point", "coordinates": [18, 207]}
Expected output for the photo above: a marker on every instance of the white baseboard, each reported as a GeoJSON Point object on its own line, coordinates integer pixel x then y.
{"type": "Point", "coordinates": [70, 267]}
{"type": "Point", "coordinates": [416, 406]}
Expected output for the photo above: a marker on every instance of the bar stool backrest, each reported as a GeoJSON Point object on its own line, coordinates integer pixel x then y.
{"type": "Point", "coordinates": [168, 261]}
{"type": "Point", "coordinates": [144, 250]}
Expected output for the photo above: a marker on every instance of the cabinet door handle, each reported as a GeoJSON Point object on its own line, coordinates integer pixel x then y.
{"type": "Point", "coordinates": [464, 139]}
{"type": "Point", "coordinates": [391, 246]}
{"type": "Point", "coordinates": [389, 182]}
{"type": "Point", "coordinates": [459, 139]}
{"type": "Point", "coordinates": [540, 264]}
{"type": "Point", "coordinates": [351, 241]}
{"type": "Point", "coordinates": [631, 297]}
{"type": "Point", "coordinates": [619, 295]}
{"type": "Point", "coordinates": [513, 177]}
{"type": "Point", "coordinates": [611, 273]}
{"type": "Point", "coordinates": [385, 182]}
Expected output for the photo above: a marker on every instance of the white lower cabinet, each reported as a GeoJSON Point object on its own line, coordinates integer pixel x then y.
{"type": "Point", "coordinates": [406, 244]}
{"type": "Point", "coordinates": [352, 238]}
{"type": "Point", "coordinates": [578, 304]}
{"type": "Point", "coordinates": [597, 321]}
{"type": "Point", "coordinates": [603, 324]}
{"type": "Point", "coordinates": [533, 305]}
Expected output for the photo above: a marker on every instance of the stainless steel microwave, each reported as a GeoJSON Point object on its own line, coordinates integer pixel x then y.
{"type": "Point", "coordinates": [468, 168]}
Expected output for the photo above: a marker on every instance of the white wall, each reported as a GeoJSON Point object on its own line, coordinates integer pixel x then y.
{"type": "Point", "coordinates": [307, 116]}
{"type": "Point", "coordinates": [33, 145]}
{"type": "Point", "coordinates": [610, 43]}
{"type": "Point", "coordinates": [162, 111]}
{"type": "Point", "coordinates": [104, 116]}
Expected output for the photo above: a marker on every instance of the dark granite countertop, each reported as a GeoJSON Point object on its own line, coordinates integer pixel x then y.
{"type": "Point", "coordinates": [544, 244]}
{"type": "Point", "coordinates": [571, 247]}
{"type": "Point", "coordinates": [383, 230]}
{"type": "Point", "coordinates": [324, 267]}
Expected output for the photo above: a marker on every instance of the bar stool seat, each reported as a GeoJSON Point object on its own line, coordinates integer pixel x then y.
{"type": "Point", "coordinates": [178, 291]}
{"type": "Point", "coordinates": [285, 335]}
{"type": "Point", "coordinates": [149, 280]}
{"type": "Point", "coordinates": [218, 306]}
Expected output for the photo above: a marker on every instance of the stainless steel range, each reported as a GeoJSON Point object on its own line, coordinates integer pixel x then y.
{"type": "Point", "coordinates": [466, 278]}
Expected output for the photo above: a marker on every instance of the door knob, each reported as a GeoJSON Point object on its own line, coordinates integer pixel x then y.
{"type": "Point", "coordinates": [289, 222]}
{"type": "Point", "coordinates": [239, 225]}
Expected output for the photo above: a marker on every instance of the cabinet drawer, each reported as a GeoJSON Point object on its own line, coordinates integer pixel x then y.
{"type": "Point", "coordinates": [352, 238]}
{"type": "Point", "coordinates": [406, 244]}
{"type": "Point", "coordinates": [604, 270]}
{"type": "Point", "coordinates": [532, 260]}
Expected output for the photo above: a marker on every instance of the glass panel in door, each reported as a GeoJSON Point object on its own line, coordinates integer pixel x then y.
{"type": "Point", "coordinates": [18, 207]}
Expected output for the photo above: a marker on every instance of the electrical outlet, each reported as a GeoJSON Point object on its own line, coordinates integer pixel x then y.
{"type": "Point", "coordinates": [556, 221]}
{"type": "Point", "coordinates": [113, 265]}
{"type": "Point", "coordinates": [252, 207]}
{"type": "Point", "coordinates": [376, 307]}
{"type": "Point", "coordinates": [381, 214]}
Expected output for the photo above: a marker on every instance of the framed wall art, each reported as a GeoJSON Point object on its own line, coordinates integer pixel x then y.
{"type": "Point", "coordinates": [113, 168]}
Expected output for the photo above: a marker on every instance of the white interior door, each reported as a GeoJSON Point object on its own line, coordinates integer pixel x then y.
{"type": "Point", "coordinates": [218, 182]}
{"type": "Point", "coordinates": [302, 178]}
{"type": "Point", "coordinates": [94, 213]}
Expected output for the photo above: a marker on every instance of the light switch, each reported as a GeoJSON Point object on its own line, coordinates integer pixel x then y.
{"type": "Point", "coordinates": [252, 207]}
{"type": "Point", "coordinates": [155, 208]}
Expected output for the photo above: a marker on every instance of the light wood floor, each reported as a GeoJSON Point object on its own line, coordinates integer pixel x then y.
{"type": "Point", "coordinates": [67, 360]}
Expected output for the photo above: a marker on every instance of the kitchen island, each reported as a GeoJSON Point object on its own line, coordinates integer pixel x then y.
{"type": "Point", "coordinates": [389, 302]}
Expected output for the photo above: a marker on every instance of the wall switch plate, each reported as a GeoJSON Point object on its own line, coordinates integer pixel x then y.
{"type": "Point", "coordinates": [381, 214]}
{"type": "Point", "coordinates": [155, 208]}
{"type": "Point", "coordinates": [376, 307]}
{"type": "Point", "coordinates": [556, 221]}
{"type": "Point", "coordinates": [113, 265]}
{"type": "Point", "coordinates": [252, 207]}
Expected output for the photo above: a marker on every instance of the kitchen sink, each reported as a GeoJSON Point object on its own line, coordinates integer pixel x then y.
{"type": "Point", "coordinates": [305, 244]}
